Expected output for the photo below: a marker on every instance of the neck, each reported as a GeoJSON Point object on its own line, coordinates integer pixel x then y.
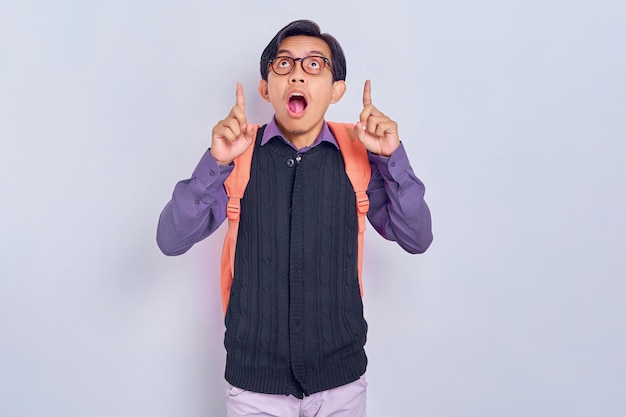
{"type": "Point", "coordinates": [301, 138]}
{"type": "Point", "coordinates": [300, 142]}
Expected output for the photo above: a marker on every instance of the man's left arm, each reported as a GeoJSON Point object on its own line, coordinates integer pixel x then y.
{"type": "Point", "coordinates": [398, 211]}
{"type": "Point", "coordinates": [397, 207]}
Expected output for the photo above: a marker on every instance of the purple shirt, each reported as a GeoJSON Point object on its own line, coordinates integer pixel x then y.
{"type": "Point", "coordinates": [397, 211]}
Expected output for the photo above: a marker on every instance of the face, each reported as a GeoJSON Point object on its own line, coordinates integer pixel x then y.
{"type": "Point", "coordinates": [299, 99]}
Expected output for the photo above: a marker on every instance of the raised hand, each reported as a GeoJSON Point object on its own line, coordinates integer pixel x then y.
{"type": "Point", "coordinates": [233, 135]}
{"type": "Point", "coordinates": [377, 132]}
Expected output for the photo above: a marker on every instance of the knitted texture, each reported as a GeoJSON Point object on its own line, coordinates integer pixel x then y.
{"type": "Point", "coordinates": [294, 324]}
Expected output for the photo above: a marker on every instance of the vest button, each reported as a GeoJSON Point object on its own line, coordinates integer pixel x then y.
{"type": "Point", "coordinates": [290, 162]}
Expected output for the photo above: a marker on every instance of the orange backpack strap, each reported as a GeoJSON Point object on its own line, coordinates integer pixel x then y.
{"type": "Point", "coordinates": [235, 185]}
{"type": "Point", "coordinates": [358, 170]}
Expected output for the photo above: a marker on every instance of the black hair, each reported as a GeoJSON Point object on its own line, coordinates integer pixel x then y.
{"type": "Point", "coordinates": [305, 28]}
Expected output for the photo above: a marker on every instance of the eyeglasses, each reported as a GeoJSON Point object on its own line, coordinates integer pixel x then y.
{"type": "Point", "coordinates": [314, 65]}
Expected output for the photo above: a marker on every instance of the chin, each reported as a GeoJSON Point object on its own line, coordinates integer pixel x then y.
{"type": "Point", "coordinates": [293, 127]}
{"type": "Point", "coordinates": [296, 132]}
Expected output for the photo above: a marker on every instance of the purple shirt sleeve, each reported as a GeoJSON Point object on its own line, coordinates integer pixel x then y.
{"type": "Point", "coordinates": [398, 211]}
{"type": "Point", "coordinates": [197, 207]}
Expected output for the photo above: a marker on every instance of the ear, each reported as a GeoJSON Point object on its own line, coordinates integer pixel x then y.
{"type": "Point", "coordinates": [264, 91]}
{"type": "Point", "coordinates": [339, 88]}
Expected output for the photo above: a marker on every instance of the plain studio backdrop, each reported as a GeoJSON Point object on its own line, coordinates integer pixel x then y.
{"type": "Point", "coordinates": [513, 114]}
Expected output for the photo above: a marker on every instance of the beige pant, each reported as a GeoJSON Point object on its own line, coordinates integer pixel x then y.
{"type": "Point", "coordinates": [345, 401]}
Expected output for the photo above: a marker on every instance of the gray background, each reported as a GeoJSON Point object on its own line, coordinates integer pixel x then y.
{"type": "Point", "coordinates": [513, 114]}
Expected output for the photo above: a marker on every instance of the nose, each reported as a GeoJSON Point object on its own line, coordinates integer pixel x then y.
{"type": "Point", "coordinates": [297, 76]}
{"type": "Point", "coordinates": [297, 79]}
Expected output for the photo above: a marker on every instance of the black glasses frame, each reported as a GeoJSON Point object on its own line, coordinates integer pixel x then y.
{"type": "Point", "coordinates": [293, 67]}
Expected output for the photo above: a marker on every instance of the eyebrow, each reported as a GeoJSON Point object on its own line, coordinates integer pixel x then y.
{"type": "Point", "coordinates": [288, 52]}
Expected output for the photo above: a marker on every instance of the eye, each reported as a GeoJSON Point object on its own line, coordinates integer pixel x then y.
{"type": "Point", "coordinates": [315, 63]}
{"type": "Point", "coordinates": [283, 62]}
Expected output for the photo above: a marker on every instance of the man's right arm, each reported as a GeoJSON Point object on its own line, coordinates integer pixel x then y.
{"type": "Point", "coordinates": [197, 207]}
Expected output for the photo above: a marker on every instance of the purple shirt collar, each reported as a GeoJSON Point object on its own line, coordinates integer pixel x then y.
{"type": "Point", "coordinates": [272, 130]}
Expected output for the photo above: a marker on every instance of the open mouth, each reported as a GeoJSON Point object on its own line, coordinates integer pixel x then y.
{"type": "Point", "coordinates": [296, 103]}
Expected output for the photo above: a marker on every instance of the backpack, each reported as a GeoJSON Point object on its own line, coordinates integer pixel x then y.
{"type": "Point", "coordinates": [357, 168]}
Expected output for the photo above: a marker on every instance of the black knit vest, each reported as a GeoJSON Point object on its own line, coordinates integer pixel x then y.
{"type": "Point", "coordinates": [294, 323]}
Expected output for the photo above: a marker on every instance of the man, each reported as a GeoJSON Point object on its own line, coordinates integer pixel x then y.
{"type": "Point", "coordinates": [295, 331]}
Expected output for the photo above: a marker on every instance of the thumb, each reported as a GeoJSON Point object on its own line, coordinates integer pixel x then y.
{"type": "Point", "coordinates": [249, 132]}
{"type": "Point", "coordinates": [359, 131]}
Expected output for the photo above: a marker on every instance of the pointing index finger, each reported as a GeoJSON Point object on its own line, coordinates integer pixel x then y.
{"type": "Point", "coordinates": [241, 100]}
{"type": "Point", "coordinates": [367, 93]}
